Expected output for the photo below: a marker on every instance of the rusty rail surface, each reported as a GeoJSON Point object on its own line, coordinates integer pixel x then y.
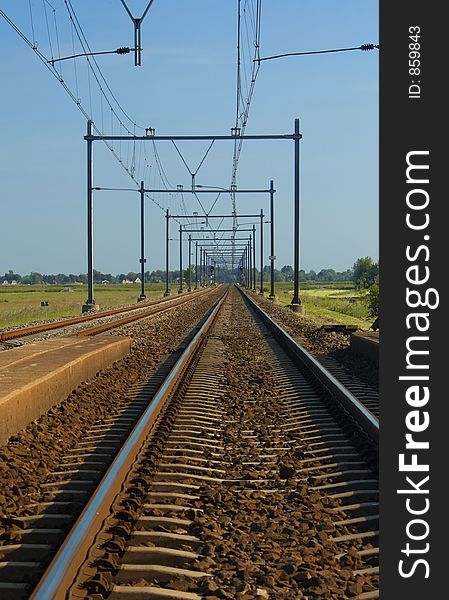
{"type": "Point", "coordinates": [25, 331]}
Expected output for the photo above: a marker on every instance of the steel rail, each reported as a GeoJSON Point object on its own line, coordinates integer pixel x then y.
{"type": "Point", "coordinates": [143, 315]}
{"type": "Point", "coordinates": [281, 136]}
{"type": "Point", "coordinates": [9, 335]}
{"type": "Point", "coordinates": [363, 417]}
{"type": "Point", "coordinates": [64, 567]}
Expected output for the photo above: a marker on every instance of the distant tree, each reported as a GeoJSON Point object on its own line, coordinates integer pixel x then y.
{"type": "Point", "coordinates": [35, 278]}
{"type": "Point", "coordinates": [373, 300]}
{"type": "Point", "coordinates": [278, 275]}
{"type": "Point", "coordinates": [11, 276]}
{"type": "Point", "coordinates": [61, 278]}
{"type": "Point", "coordinates": [156, 276]}
{"type": "Point", "coordinates": [173, 276]}
{"type": "Point", "coordinates": [287, 270]}
{"type": "Point", "coordinates": [97, 276]}
{"type": "Point", "coordinates": [185, 274]}
{"type": "Point", "coordinates": [327, 275]}
{"type": "Point", "coordinates": [345, 275]}
{"type": "Point", "coordinates": [365, 271]}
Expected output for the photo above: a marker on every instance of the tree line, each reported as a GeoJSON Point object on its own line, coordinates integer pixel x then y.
{"type": "Point", "coordinates": [363, 274]}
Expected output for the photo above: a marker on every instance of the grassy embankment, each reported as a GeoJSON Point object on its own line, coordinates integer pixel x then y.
{"type": "Point", "coordinates": [328, 303]}
{"type": "Point", "coordinates": [22, 303]}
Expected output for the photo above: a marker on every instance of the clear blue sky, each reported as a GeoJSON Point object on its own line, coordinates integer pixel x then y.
{"type": "Point", "coordinates": [187, 84]}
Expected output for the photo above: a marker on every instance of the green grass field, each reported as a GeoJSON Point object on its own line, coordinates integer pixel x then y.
{"type": "Point", "coordinates": [22, 303]}
{"type": "Point", "coordinates": [328, 304]}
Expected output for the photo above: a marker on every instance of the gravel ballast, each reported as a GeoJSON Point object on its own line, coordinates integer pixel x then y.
{"type": "Point", "coordinates": [270, 540]}
{"type": "Point", "coordinates": [28, 457]}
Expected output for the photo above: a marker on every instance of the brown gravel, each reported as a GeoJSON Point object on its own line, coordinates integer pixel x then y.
{"type": "Point", "coordinates": [267, 540]}
{"type": "Point", "coordinates": [29, 456]}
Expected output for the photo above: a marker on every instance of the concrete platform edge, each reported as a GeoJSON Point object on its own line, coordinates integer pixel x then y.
{"type": "Point", "coordinates": [366, 346]}
{"type": "Point", "coordinates": [37, 393]}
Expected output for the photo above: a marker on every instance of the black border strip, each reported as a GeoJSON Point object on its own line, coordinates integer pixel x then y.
{"type": "Point", "coordinates": [412, 122]}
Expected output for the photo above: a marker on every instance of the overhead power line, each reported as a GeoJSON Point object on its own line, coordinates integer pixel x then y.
{"type": "Point", "coordinates": [88, 50]}
{"type": "Point", "coordinates": [253, 16]}
{"type": "Point", "coordinates": [130, 162]}
{"type": "Point", "coordinates": [118, 51]}
{"type": "Point", "coordinates": [364, 47]}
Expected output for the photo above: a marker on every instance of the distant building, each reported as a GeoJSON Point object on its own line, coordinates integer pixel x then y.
{"type": "Point", "coordinates": [5, 282]}
{"type": "Point", "coordinates": [137, 280]}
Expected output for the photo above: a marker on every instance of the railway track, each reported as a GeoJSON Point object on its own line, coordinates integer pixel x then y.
{"type": "Point", "coordinates": [250, 474]}
{"type": "Point", "coordinates": [361, 390]}
{"type": "Point", "coordinates": [359, 387]}
{"type": "Point", "coordinates": [141, 311]}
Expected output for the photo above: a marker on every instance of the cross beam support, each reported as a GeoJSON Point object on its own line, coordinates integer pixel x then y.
{"type": "Point", "coordinates": [150, 136]}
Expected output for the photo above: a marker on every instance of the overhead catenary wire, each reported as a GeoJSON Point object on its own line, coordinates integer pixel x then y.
{"type": "Point", "coordinates": [32, 22]}
{"type": "Point", "coordinates": [243, 105]}
{"type": "Point", "coordinates": [74, 95]}
{"type": "Point", "coordinates": [363, 47]}
{"type": "Point", "coordinates": [123, 50]}
{"type": "Point", "coordinates": [43, 59]}
{"type": "Point", "coordinates": [94, 69]}
{"type": "Point", "coordinates": [214, 202]}
{"type": "Point", "coordinates": [85, 44]}
{"type": "Point", "coordinates": [204, 157]}
{"type": "Point", "coordinates": [74, 65]}
{"type": "Point", "coordinates": [95, 78]}
{"type": "Point", "coordinates": [76, 26]}
{"type": "Point", "coordinates": [80, 34]}
{"type": "Point", "coordinates": [44, 3]}
{"type": "Point", "coordinates": [194, 173]}
{"type": "Point", "coordinates": [57, 40]}
{"type": "Point", "coordinates": [200, 203]}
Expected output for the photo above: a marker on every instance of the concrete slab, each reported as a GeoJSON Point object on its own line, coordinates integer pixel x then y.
{"type": "Point", "coordinates": [366, 344]}
{"type": "Point", "coordinates": [37, 376]}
